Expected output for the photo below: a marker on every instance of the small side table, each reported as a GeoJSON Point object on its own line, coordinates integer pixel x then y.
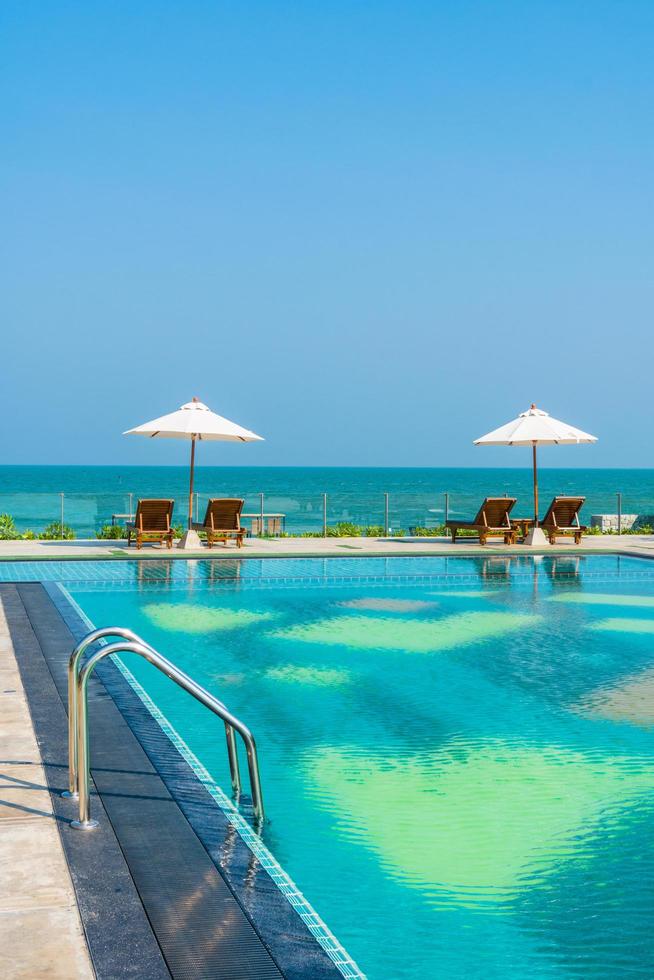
{"type": "Point", "coordinates": [273, 524]}
{"type": "Point", "coordinates": [522, 525]}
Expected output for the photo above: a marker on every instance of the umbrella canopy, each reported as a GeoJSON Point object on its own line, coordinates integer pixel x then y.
{"type": "Point", "coordinates": [196, 422]}
{"type": "Point", "coordinates": [535, 428]}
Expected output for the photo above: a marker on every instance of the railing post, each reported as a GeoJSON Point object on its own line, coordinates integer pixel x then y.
{"type": "Point", "coordinates": [232, 755]}
{"type": "Point", "coordinates": [197, 507]}
{"type": "Point", "coordinates": [447, 509]}
{"type": "Point", "coordinates": [324, 515]}
{"type": "Point", "coordinates": [619, 496]}
{"type": "Point", "coordinates": [385, 515]}
{"type": "Point", "coordinates": [261, 517]}
{"type": "Point", "coordinates": [131, 505]}
{"type": "Point", "coordinates": [84, 821]}
{"type": "Point", "coordinates": [61, 527]}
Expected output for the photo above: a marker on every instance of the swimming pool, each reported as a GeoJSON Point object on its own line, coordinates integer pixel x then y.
{"type": "Point", "coordinates": [456, 753]}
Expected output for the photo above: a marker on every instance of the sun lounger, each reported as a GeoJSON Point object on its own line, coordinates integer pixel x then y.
{"type": "Point", "coordinates": [562, 519]}
{"type": "Point", "coordinates": [492, 520]}
{"type": "Point", "coordinates": [222, 521]}
{"type": "Point", "coordinates": [152, 521]}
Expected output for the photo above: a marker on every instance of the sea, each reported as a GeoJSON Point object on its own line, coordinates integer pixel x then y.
{"type": "Point", "coordinates": [397, 498]}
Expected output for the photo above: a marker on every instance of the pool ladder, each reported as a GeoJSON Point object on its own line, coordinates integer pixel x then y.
{"type": "Point", "coordinates": [78, 727]}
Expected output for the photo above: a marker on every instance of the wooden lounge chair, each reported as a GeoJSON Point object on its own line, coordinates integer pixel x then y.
{"type": "Point", "coordinates": [562, 519]}
{"type": "Point", "coordinates": [492, 520]}
{"type": "Point", "coordinates": [152, 521]}
{"type": "Point", "coordinates": [222, 521]}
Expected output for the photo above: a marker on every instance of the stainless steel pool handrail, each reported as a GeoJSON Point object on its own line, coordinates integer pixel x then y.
{"type": "Point", "coordinates": [79, 766]}
{"type": "Point", "coordinates": [73, 668]}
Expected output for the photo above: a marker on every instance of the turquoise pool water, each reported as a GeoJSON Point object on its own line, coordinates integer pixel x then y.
{"type": "Point", "coordinates": [456, 754]}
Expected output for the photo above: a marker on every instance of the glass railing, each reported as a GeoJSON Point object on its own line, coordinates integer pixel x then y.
{"type": "Point", "coordinates": [289, 512]}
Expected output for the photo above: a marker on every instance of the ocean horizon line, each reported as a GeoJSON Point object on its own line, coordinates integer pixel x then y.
{"type": "Point", "coordinates": [310, 466]}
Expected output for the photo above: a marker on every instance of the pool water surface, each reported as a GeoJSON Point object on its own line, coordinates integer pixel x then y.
{"type": "Point", "coordinates": [456, 759]}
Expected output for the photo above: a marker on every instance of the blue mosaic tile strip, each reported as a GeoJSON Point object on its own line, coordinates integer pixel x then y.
{"type": "Point", "coordinates": [311, 572]}
{"type": "Point", "coordinates": [444, 582]}
{"type": "Point", "coordinates": [321, 932]}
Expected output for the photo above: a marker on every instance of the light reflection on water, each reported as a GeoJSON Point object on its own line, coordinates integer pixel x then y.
{"type": "Point", "coordinates": [444, 778]}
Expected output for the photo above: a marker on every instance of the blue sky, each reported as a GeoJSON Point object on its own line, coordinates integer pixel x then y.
{"type": "Point", "coordinates": [370, 232]}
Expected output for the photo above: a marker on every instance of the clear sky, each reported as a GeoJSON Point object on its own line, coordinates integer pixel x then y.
{"type": "Point", "coordinates": [368, 231]}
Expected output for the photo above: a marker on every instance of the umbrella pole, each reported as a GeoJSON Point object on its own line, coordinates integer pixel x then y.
{"type": "Point", "coordinates": [535, 538]}
{"type": "Point", "coordinates": [190, 538]}
{"type": "Point", "coordinates": [190, 489]}
{"type": "Point", "coordinates": [533, 449]}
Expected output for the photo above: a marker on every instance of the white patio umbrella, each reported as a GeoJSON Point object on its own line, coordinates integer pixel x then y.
{"type": "Point", "coordinates": [196, 422]}
{"type": "Point", "coordinates": [535, 428]}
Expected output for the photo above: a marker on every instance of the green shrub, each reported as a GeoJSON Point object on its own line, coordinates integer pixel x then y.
{"type": "Point", "coordinates": [178, 530]}
{"type": "Point", "coordinates": [347, 529]}
{"type": "Point", "coordinates": [8, 529]}
{"type": "Point", "coordinates": [57, 532]}
{"type": "Point", "coordinates": [29, 536]}
{"type": "Point", "coordinates": [111, 532]}
{"type": "Point", "coordinates": [429, 532]}
{"type": "Point", "coordinates": [344, 529]}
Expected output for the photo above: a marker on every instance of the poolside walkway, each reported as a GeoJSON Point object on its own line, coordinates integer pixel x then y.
{"type": "Point", "coordinates": [37, 898]}
{"type": "Point", "coordinates": [640, 545]}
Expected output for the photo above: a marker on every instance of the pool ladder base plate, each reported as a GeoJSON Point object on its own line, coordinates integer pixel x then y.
{"type": "Point", "coordinates": [84, 824]}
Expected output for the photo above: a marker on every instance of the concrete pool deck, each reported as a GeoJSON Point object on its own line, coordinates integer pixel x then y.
{"type": "Point", "coordinates": [628, 544]}
{"type": "Point", "coordinates": [40, 925]}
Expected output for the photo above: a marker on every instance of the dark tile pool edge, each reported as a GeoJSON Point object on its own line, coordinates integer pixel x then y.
{"type": "Point", "coordinates": [290, 928]}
